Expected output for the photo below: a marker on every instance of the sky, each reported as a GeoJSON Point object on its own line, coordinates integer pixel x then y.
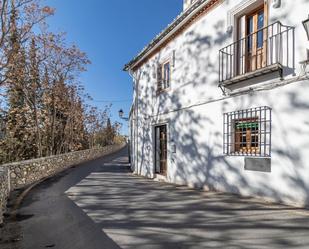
{"type": "Point", "coordinates": [111, 32]}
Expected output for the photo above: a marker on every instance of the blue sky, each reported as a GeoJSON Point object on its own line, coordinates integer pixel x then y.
{"type": "Point", "coordinates": [111, 32]}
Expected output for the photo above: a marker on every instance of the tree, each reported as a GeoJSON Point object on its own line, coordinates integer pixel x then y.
{"type": "Point", "coordinates": [63, 106]}
{"type": "Point", "coordinates": [109, 133]}
{"type": "Point", "coordinates": [16, 130]}
{"type": "Point", "coordinates": [25, 14]}
{"type": "Point", "coordinates": [43, 111]}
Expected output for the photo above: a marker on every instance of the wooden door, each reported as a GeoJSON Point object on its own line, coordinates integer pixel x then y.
{"type": "Point", "coordinates": [255, 42]}
{"type": "Point", "coordinates": [161, 149]}
{"type": "Point", "coordinates": [253, 34]}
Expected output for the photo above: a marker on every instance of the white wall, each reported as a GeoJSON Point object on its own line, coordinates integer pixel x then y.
{"type": "Point", "coordinates": [197, 129]}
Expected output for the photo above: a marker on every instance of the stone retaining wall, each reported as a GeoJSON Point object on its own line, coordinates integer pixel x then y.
{"type": "Point", "coordinates": [4, 190]}
{"type": "Point", "coordinates": [20, 174]}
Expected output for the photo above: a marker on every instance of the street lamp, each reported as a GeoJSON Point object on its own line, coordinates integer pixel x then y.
{"type": "Point", "coordinates": [121, 113]}
{"type": "Point", "coordinates": [306, 26]}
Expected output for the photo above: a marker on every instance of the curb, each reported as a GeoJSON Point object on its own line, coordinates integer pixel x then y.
{"type": "Point", "coordinates": [22, 196]}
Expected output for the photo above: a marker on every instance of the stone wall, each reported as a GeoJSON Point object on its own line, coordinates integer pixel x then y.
{"type": "Point", "coordinates": [27, 172]}
{"type": "Point", "coordinates": [4, 190]}
{"type": "Point", "coordinates": [20, 174]}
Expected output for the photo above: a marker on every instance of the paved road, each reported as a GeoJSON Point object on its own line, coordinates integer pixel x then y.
{"type": "Point", "coordinates": [99, 205]}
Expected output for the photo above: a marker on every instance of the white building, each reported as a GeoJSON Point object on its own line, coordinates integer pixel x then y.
{"type": "Point", "coordinates": [221, 100]}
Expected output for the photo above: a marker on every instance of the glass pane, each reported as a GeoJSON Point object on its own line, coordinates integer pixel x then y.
{"type": "Point", "coordinates": [260, 25]}
{"type": "Point", "coordinates": [244, 139]}
{"type": "Point", "coordinates": [250, 31]}
{"type": "Point", "coordinates": [250, 25]}
{"type": "Point", "coordinates": [248, 131]}
{"type": "Point", "coordinates": [254, 140]}
{"type": "Point", "coordinates": [166, 75]}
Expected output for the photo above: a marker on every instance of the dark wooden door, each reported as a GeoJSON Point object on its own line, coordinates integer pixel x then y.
{"type": "Point", "coordinates": [161, 149]}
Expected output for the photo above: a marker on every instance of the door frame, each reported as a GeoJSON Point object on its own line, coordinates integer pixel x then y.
{"type": "Point", "coordinates": [154, 146]}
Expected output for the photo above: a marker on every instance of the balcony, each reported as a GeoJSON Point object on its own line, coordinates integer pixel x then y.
{"type": "Point", "coordinates": [270, 49]}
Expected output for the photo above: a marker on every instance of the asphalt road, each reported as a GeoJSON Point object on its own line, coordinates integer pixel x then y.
{"type": "Point", "coordinates": [50, 219]}
{"type": "Point", "coordinates": [99, 205]}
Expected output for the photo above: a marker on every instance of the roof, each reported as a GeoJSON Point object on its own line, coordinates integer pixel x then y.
{"type": "Point", "coordinates": [191, 13]}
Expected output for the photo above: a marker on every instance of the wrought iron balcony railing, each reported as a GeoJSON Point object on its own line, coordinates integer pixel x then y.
{"type": "Point", "coordinates": [269, 49]}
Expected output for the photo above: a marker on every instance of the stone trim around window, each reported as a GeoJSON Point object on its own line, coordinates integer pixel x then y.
{"type": "Point", "coordinates": [164, 76]}
{"type": "Point", "coordinates": [238, 10]}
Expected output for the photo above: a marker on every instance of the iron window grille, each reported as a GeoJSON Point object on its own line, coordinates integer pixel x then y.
{"type": "Point", "coordinates": [247, 132]}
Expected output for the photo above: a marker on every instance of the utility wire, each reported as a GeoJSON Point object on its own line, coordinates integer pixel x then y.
{"type": "Point", "coordinates": [112, 101]}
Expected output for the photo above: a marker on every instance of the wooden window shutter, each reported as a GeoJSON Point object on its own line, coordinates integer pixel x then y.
{"type": "Point", "coordinates": [266, 11]}
{"type": "Point", "coordinates": [159, 77]}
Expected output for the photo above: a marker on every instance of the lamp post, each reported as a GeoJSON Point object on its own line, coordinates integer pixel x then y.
{"type": "Point", "coordinates": [306, 26]}
{"type": "Point", "coordinates": [121, 113]}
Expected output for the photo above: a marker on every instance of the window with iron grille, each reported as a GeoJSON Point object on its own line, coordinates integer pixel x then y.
{"type": "Point", "coordinates": [247, 132]}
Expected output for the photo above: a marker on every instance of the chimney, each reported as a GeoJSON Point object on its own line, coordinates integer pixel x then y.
{"type": "Point", "coordinates": [187, 4]}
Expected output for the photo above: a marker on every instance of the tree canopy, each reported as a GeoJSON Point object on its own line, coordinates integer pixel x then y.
{"type": "Point", "coordinates": [43, 108]}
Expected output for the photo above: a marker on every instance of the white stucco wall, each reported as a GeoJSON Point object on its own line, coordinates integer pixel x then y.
{"type": "Point", "coordinates": [193, 109]}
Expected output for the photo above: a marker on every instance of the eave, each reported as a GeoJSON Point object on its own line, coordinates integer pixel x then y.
{"type": "Point", "coordinates": [183, 21]}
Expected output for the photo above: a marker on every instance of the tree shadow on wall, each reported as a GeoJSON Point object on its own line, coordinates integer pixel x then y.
{"type": "Point", "coordinates": [200, 163]}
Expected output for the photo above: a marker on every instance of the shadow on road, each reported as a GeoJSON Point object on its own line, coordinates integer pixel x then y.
{"type": "Point", "coordinates": [101, 205]}
{"type": "Point", "coordinates": [140, 213]}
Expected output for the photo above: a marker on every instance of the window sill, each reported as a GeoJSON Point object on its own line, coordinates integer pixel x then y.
{"type": "Point", "coordinates": [247, 155]}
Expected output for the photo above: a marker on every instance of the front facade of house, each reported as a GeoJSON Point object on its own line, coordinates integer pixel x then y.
{"type": "Point", "coordinates": [221, 100]}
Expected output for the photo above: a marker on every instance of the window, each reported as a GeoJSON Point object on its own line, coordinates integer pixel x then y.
{"type": "Point", "coordinates": [247, 136]}
{"type": "Point", "coordinates": [164, 76]}
{"type": "Point", "coordinates": [248, 132]}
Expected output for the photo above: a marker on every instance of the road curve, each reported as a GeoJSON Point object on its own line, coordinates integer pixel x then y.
{"type": "Point", "coordinates": [50, 219]}
{"type": "Point", "coordinates": [100, 205]}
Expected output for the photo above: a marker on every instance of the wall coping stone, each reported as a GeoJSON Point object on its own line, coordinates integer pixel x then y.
{"type": "Point", "coordinates": [52, 157]}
